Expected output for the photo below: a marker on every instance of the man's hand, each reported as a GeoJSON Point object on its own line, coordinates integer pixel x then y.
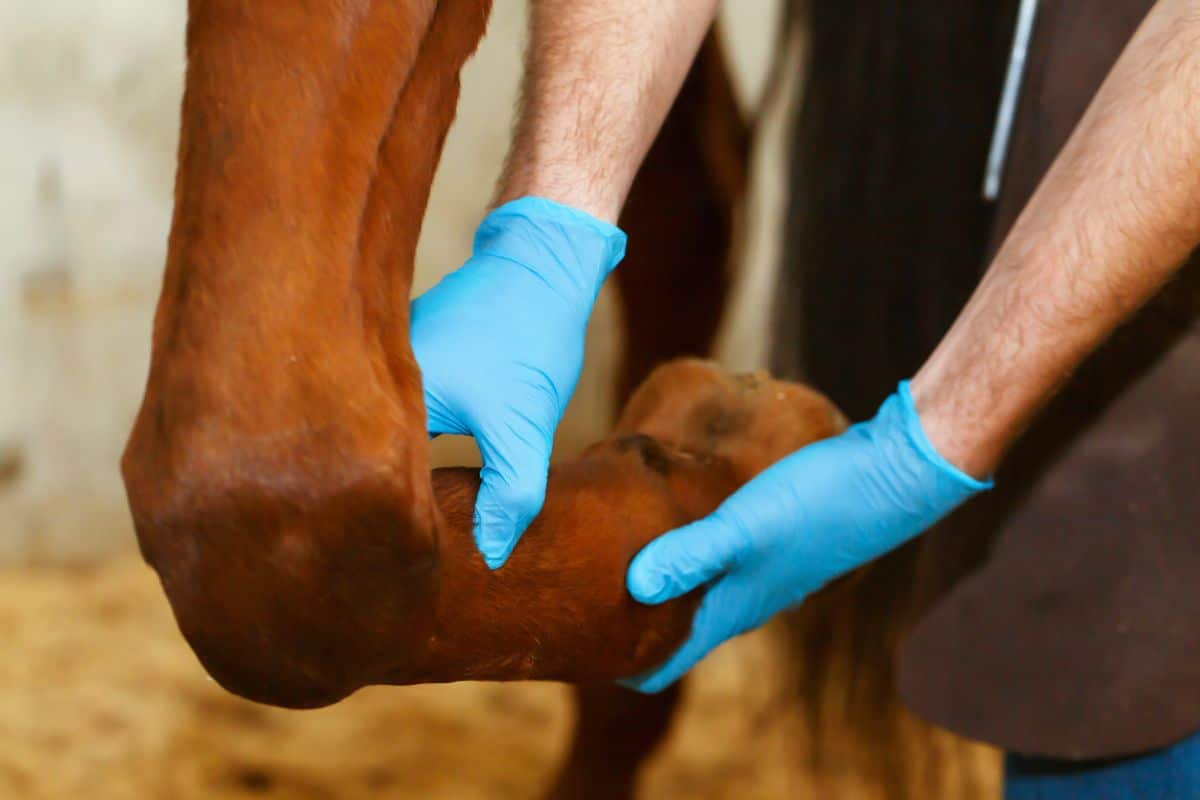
{"type": "Point", "coordinates": [500, 346]}
{"type": "Point", "coordinates": [500, 341]}
{"type": "Point", "coordinates": [807, 519]}
{"type": "Point", "coordinates": [1113, 219]}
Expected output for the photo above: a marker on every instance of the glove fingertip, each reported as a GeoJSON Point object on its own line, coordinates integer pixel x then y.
{"type": "Point", "coordinates": [651, 685]}
{"type": "Point", "coordinates": [647, 582]}
{"type": "Point", "coordinates": [495, 562]}
{"type": "Point", "coordinates": [494, 548]}
{"type": "Point", "coordinates": [656, 680]}
{"type": "Point", "coordinates": [495, 538]}
{"type": "Point", "coordinates": [502, 513]}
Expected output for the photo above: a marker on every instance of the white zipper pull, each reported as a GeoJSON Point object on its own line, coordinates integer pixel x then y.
{"type": "Point", "coordinates": [1008, 100]}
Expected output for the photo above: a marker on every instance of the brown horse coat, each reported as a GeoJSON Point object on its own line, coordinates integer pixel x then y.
{"type": "Point", "coordinates": [278, 470]}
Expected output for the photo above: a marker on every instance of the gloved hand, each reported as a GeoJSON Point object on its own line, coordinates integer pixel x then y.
{"type": "Point", "coordinates": [816, 514]}
{"type": "Point", "coordinates": [500, 345]}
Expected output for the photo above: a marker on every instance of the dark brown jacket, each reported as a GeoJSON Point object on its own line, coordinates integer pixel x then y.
{"type": "Point", "coordinates": [1076, 629]}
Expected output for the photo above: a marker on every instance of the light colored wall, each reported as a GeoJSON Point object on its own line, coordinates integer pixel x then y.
{"type": "Point", "coordinates": [89, 96]}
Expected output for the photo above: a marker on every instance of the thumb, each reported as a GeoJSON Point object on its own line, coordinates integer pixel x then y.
{"type": "Point", "coordinates": [685, 558]}
{"type": "Point", "coordinates": [516, 460]}
{"type": "Point", "coordinates": [709, 629]}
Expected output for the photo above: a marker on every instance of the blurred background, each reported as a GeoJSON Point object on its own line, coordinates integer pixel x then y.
{"type": "Point", "coordinates": [99, 696]}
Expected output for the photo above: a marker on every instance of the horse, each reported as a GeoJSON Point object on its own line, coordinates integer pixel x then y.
{"type": "Point", "coordinates": [278, 470]}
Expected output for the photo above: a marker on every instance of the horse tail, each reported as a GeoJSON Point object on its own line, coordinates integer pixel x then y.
{"type": "Point", "coordinates": [885, 236]}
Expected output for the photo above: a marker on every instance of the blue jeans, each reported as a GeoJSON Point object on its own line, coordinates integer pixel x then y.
{"type": "Point", "coordinates": [1169, 774]}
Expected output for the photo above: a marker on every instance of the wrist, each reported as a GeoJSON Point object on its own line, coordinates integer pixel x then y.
{"type": "Point", "coordinates": [930, 442]}
{"type": "Point", "coordinates": [960, 422]}
{"type": "Point", "coordinates": [599, 199]}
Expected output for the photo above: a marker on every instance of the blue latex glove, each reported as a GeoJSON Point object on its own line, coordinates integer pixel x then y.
{"type": "Point", "coordinates": [814, 515]}
{"type": "Point", "coordinates": [500, 345]}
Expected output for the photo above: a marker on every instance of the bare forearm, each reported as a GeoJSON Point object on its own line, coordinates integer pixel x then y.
{"type": "Point", "coordinates": [600, 77]}
{"type": "Point", "coordinates": [1116, 215]}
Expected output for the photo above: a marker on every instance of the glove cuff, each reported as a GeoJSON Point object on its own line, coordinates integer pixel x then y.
{"type": "Point", "coordinates": [565, 246]}
{"type": "Point", "coordinates": [920, 441]}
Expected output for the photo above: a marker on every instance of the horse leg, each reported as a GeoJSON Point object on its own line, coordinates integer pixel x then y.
{"type": "Point", "coordinates": [680, 220]}
{"type": "Point", "coordinates": [616, 730]}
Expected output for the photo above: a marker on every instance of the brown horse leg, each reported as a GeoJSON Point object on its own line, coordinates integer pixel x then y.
{"type": "Point", "coordinates": [680, 219]}
{"type": "Point", "coordinates": [616, 732]}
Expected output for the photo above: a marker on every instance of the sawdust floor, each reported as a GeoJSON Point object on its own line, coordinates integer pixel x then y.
{"type": "Point", "coordinates": [100, 698]}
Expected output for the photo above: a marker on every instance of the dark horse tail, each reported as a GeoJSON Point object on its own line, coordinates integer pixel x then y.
{"type": "Point", "coordinates": [886, 235]}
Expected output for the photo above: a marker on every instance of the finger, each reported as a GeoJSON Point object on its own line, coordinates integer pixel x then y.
{"type": "Point", "coordinates": [708, 631]}
{"type": "Point", "coordinates": [681, 560]}
{"type": "Point", "coordinates": [438, 417]}
{"type": "Point", "coordinates": [515, 464]}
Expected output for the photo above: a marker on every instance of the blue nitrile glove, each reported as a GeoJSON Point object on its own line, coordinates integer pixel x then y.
{"type": "Point", "coordinates": [815, 515]}
{"type": "Point", "coordinates": [500, 346]}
